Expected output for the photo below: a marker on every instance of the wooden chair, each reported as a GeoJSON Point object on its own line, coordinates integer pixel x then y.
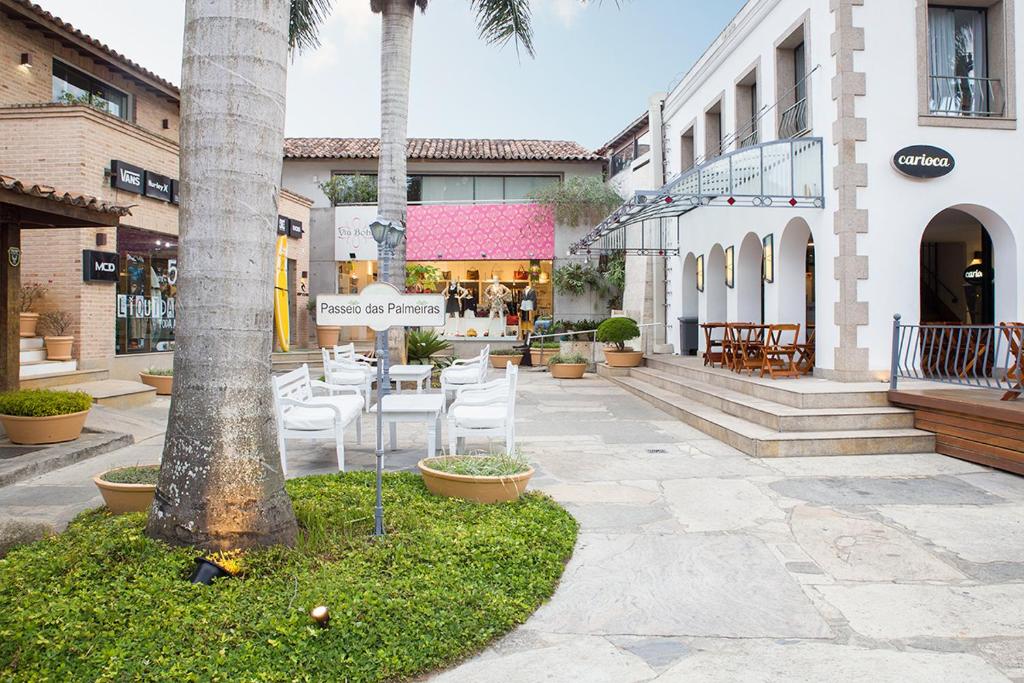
{"type": "Point", "coordinates": [713, 347]}
{"type": "Point", "coordinates": [1014, 333]}
{"type": "Point", "coordinates": [973, 347]}
{"type": "Point", "coordinates": [780, 351]}
{"type": "Point", "coordinates": [805, 352]}
{"type": "Point", "coordinates": [747, 345]}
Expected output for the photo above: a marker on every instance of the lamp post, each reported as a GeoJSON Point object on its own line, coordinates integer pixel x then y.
{"type": "Point", "coordinates": [388, 234]}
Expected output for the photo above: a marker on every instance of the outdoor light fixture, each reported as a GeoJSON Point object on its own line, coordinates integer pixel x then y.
{"type": "Point", "coordinates": [700, 273]}
{"type": "Point", "coordinates": [320, 615]}
{"type": "Point", "coordinates": [977, 260]}
{"type": "Point", "coordinates": [26, 60]}
{"type": "Point", "coordinates": [387, 233]}
{"type": "Point", "coordinates": [730, 265]}
{"type": "Point", "coordinates": [768, 249]}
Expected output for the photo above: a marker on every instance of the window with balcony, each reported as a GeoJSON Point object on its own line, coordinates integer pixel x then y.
{"type": "Point", "coordinates": [72, 86]}
{"type": "Point", "coordinates": [792, 82]}
{"type": "Point", "coordinates": [686, 151]}
{"type": "Point", "coordinates": [960, 82]}
{"type": "Point", "coordinates": [747, 132]}
{"type": "Point", "coordinates": [713, 131]}
{"type": "Point", "coordinates": [634, 149]}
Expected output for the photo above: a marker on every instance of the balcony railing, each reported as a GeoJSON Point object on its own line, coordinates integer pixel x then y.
{"type": "Point", "coordinates": [793, 121]}
{"type": "Point", "coordinates": [963, 96]}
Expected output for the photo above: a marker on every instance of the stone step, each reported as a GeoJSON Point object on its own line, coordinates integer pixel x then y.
{"type": "Point", "coordinates": [777, 416]}
{"type": "Point", "coordinates": [802, 392]}
{"type": "Point", "coordinates": [760, 441]}
{"type": "Point", "coordinates": [61, 378]}
{"type": "Point", "coordinates": [46, 368]}
{"type": "Point", "coordinates": [30, 343]}
{"type": "Point", "coordinates": [31, 356]}
{"type": "Point", "coordinates": [116, 393]}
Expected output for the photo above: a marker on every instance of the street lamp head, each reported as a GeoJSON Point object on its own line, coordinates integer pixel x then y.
{"type": "Point", "coordinates": [387, 232]}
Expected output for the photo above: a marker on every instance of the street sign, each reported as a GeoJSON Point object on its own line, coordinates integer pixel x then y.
{"type": "Point", "coordinates": [380, 306]}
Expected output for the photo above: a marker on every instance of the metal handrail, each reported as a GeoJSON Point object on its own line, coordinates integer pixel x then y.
{"type": "Point", "coordinates": [966, 96]}
{"type": "Point", "coordinates": [793, 121]}
{"type": "Point", "coordinates": [986, 356]}
{"type": "Point", "coordinates": [593, 348]}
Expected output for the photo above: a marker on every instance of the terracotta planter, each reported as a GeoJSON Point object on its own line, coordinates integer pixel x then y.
{"type": "Point", "coordinates": [327, 336]}
{"type": "Point", "coordinates": [163, 383]}
{"type": "Point", "coordinates": [121, 498]}
{"type": "Point", "coordinates": [475, 489]}
{"type": "Point", "coordinates": [567, 370]}
{"type": "Point", "coordinates": [499, 362]}
{"type": "Point", "coordinates": [58, 348]}
{"type": "Point", "coordinates": [28, 322]}
{"type": "Point", "coordinates": [540, 357]}
{"type": "Point", "coordinates": [623, 359]}
{"type": "Point", "coordinates": [38, 430]}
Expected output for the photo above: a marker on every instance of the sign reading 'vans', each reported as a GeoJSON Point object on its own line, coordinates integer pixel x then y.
{"type": "Point", "coordinates": [126, 177]}
{"type": "Point", "coordinates": [131, 178]}
{"type": "Point", "coordinates": [923, 161]}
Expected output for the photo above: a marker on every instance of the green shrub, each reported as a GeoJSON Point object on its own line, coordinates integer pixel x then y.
{"type": "Point", "coordinates": [160, 372]}
{"type": "Point", "coordinates": [420, 345]}
{"type": "Point", "coordinates": [536, 346]}
{"type": "Point", "coordinates": [102, 602]}
{"type": "Point", "coordinates": [43, 402]}
{"type": "Point", "coordinates": [497, 465]}
{"type": "Point", "coordinates": [568, 359]}
{"type": "Point", "coordinates": [140, 474]}
{"type": "Point", "coordinates": [617, 331]}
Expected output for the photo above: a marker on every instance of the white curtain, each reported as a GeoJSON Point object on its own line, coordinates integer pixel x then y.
{"type": "Point", "coordinates": [958, 61]}
{"type": "Point", "coordinates": [941, 58]}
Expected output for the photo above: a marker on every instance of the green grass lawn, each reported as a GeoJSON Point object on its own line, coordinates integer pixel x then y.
{"type": "Point", "coordinates": [104, 602]}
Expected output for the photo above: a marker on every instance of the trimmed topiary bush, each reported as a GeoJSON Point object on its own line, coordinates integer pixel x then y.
{"type": "Point", "coordinates": [104, 602]}
{"type": "Point", "coordinates": [43, 402]}
{"type": "Point", "coordinates": [617, 331]}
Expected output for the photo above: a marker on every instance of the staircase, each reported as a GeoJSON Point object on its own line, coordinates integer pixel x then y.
{"type": "Point", "coordinates": [775, 418]}
{"type": "Point", "coordinates": [292, 360]}
{"type": "Point", "coordinates": [32, 356]}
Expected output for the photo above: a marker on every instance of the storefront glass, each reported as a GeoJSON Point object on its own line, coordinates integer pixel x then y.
{"type": "Point", "coordinates": [146, 291]}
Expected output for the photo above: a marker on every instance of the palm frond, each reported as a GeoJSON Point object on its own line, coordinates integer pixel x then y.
{"type": "Point", "coordinates": [501, 21]}
{"type": "Point", "coordinates": [305, 19]}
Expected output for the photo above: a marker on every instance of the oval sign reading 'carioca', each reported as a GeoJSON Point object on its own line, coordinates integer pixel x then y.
{"type": "Point", "coordinates": [923, 161]}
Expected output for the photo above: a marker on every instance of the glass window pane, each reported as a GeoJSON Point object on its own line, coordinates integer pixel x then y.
{"type": "Point", "coordinates": [146, 291]}
{"type": "Point", "coordinates": [490, 188]}
{"type": "Point", "coordinates": [447, 188]}
{"type": "Point", "coordinates": [518, 188]}
{"type": "Point", "coordinates": [76, 87]}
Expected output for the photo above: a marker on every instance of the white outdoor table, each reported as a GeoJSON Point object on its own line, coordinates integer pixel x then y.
{"type": "Point", "coordinates": [414, 408]}
{"type": "Point", "coordinates": [410, 373]}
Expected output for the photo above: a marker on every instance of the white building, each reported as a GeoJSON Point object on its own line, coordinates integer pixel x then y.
{"type": "Point", "coordinates": [864, 241]}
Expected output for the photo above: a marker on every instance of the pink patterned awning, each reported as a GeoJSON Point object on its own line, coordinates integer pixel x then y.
{"type": "Point", "coordinates": [463, 232]}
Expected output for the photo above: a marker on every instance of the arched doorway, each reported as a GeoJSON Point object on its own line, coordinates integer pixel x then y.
{"type": "Point", "coordinates": [794, 275]}
{"type": "Point", "coordinates": [957, 274]}
{"type": "Point", "coordinates": [689, 304]}
{"type": "Point", "coordinates": [749, 280]}
{"type": "Point", "coordinates": [714, 286]}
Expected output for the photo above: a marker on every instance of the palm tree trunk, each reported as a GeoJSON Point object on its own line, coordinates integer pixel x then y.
{"type": "Point", "coordinates": [392, 197]}
{"type": "Point", "coordinates": [221, 484]}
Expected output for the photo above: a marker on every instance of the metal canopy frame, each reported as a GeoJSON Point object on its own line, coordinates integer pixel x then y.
{"type": "Point", "coordinates": [780, 174]}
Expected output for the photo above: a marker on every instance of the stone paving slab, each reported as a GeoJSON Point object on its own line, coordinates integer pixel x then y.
{"type": "Point", "coordinates": [939, 490]}
{"type": "Point", "coordinates": [975, 534]}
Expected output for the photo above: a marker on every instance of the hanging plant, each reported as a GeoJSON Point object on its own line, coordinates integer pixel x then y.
{"type": "Point", "coordinates": [571, 279]}
{"type": "Point", "coordinates": [578, 200]}
{"type": "Point", "coordinates": [422, 277]}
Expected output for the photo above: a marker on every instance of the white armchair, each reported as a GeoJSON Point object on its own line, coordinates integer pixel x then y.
{"type": "Point", "coordinates": [348, 352]}
{"type": "Point", "coordinates": [301, 415]}
{"type": "Point", "coordinates": [465, 372]}
{"type": "Point", "coordinates": [344, 373]}
{"type": "Point", "coordinates": [487, 410]}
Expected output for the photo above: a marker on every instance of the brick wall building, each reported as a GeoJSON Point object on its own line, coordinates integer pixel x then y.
{"type": "Point", "coordinates": [70, 107]}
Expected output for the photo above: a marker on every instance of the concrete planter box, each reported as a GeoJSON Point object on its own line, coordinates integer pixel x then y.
{"type": "Point", "coordinates": [499, 362]}
{"type": "Point", "coordinates": [162, 383]}
{"type": "Point", "coordinates": [27, 324]}
{"type": "Point", "coordinates": [623, 359]}
{"type": "Point", "coordinates": [327, 336]}
{"type": "Point", "coordinates": [122, 498]}
{"type": "Point", "coordinates": [40, 430]}
{"type": "Point", "coordinates": [567, 370]}
{"type": "Point", "coordinates": [475, 489]}
{"type": "Point", "coordinates": [58, 348]}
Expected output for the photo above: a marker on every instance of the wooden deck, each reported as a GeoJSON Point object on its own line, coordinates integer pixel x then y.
{"type": "Point", "coordinates": [970, 424]}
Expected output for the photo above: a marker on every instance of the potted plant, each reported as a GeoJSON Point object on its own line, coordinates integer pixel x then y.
{"type": "Point", "coordinates": [615, 332]}
{"type": "Point", "coordinates": [567, 366]}
{"type": "Point", "coordinates": [502, 357]}
{"type": "Point", "coordinates": [478, 478]}
{"type": "Point", "coordinates": [326, 335]}
{"type": "Point", "coordinates": [30, 293]}
{"type": "Point", "coordinates": [420, 345]}
{"type": "Point", "coordinates": [56, 329]}
{"type": "Point", "coordinates": [37, 416]}
{"type": "Point", "coordinates": [160, 378]}
{"type": "Point", "coordinates": [128, 489]}
{"type": "Point", "coordinates": [222, 564]}
{"type": "Point", "coordinates": [541, 351]}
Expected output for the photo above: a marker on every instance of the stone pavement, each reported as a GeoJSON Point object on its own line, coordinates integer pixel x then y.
{"type": "Point", "coordinates": [698, 563]}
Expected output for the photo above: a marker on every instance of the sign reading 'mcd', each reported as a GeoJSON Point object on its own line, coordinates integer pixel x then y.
{"type": "Point", "coordinates": [923, 161]}
{"type": "Point", "coordinates": [380, 306]}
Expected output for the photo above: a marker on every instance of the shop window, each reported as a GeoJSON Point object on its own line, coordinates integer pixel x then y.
{"type": "Point", "coordinates": [146, 291]}
{"type": "Point", "coordinates": [72, 86]}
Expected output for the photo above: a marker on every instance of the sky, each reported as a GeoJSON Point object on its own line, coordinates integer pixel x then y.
{"type": "Point", "coordinates": [595, 69]}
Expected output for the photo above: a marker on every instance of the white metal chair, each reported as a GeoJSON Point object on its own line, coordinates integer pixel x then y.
{"type": "Point", "coordinates": [463, 372]}
{"type": "Point", "coordinates": [344, 373]}
{"type": "Point", "coordinates": [348, 352]}
{"type": "Point", "coordinates": [488, 410]}
{"type": "Point", "coordinates": [301, 415]}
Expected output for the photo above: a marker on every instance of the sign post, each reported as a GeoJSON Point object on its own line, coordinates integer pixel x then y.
{"type": "Point", "coordinates": [380, 306]}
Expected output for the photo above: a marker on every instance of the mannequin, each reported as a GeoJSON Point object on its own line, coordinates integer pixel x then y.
{"type": "Point", "coordinates": [496, 297]}
{"type": "Point", "coordinates": [454, 293]}
{"type": "Point", "coordinates": [527, 307]}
